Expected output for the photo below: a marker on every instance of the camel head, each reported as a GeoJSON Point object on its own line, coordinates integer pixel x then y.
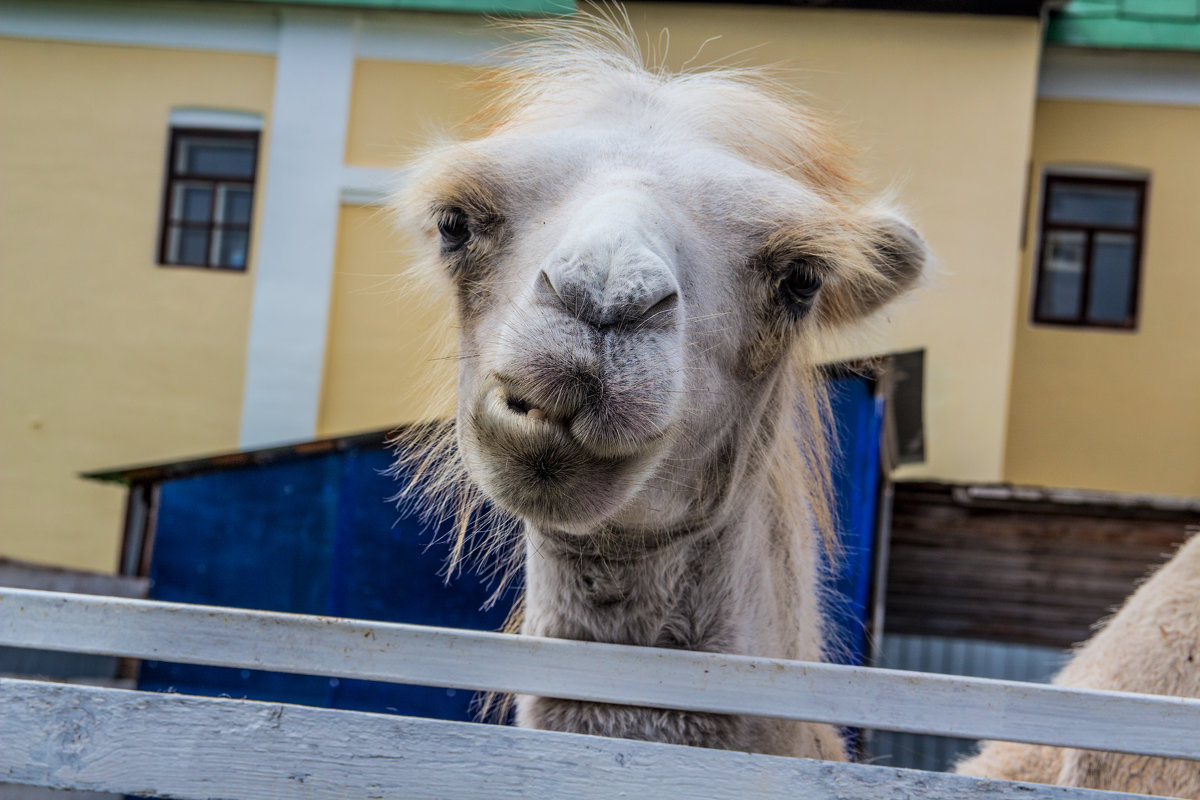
{"type": "Point", "coordinates": [638, 261]}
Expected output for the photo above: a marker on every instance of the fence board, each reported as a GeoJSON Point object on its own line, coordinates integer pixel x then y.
{"type": "Point", "coordinates": [57, 579]}
{"type": "Point", "coordinates": [198, 748]}
{"type": "Point", "coordinates": [876, 698]}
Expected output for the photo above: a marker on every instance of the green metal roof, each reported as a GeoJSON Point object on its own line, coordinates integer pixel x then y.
{"type": "Point", "coordinates": [1025, 8]}
{"type": "Point", "coordinates": [1127, 24]}
{"type": "Point", "coordinates": [495, 7]}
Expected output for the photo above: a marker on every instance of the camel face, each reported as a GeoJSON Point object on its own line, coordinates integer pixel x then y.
{"type": "Point", "coordinates": [604, 318]}
{"type": "Point", "coordinates": [642, 262]}
{"type": "Point", "coordinates": [632, 275]}
{"type": "Point", "coordinates": [576, 395]}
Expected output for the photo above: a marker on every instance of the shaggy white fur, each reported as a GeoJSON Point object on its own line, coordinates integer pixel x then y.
{"type": "Point", "coordinates": [642, 263]}
{"type": "Point", "coordinates": [1151, 645]}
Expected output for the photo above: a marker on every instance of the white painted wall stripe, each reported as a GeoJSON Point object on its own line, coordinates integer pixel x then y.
{"type": "Point", "coordinates": [293, 268]}
{"type": "Point", "coordinates": [384, 35]}
{"type": "Point", "coordinates": [215, 118]}
{"type": "Point", "coordinates": [874, 698]}
{"type": "Point", "coordinates": [241, 29]}
{"type": "Point", "coordinates": [1123, 76]}
{"type": "Point", "coordinates": [198, 748]}
{"type": "Point", "coordinates": [369, 186]}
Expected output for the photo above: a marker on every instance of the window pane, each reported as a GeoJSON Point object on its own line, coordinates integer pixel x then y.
{"type": "Point", "coordinates": [1061, 287]}
{"type": "Point", "coordinates": [233, 203]}
{"type": "Point", "coordinates": [1110, 296]}
{"type": "Point", "coordinates": [187, 246]}
{"type": "Point", "coordinates": [1095, 204]}
{"type": "Point", "coordinates": [229, 248]}
{"type": "Point", "coordinates": [208, 156]}
{"type": "Point", "coordinates": [192, 202]}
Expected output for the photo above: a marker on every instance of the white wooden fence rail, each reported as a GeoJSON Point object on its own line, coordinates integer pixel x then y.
{"type": "Point", "coordinates": [190, 747]}
{"type": "Point", "coordinates": [104, 739]}
{"type": "Point", "coordinates": [876, 698]}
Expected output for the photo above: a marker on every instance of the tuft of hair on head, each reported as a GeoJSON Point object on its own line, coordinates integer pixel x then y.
{"type": "Point", "coordinates": [560, 67]}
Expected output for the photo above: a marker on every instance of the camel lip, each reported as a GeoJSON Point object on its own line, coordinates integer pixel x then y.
{"type": "Point", "coordinates": [517, 413]}
{"type": "Point", "coordinates": [503, 424]}
{"type": "Point", "coordinates": [505, 406]}
{"type": "Point", "coordinates": [520, 406]}
{"type": "Point", "coordinates": [557, 400]}
{"type": "Point", "coordinates": [537, 470]}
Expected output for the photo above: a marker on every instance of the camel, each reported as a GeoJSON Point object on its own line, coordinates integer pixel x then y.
{"type": "Point", "coordinates": [1151, 645]}
{"type": "Point", "coordinates": [643, 264]}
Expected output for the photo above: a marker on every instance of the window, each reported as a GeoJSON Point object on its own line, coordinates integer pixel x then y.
{"type": "Point", "coordinates": [209, 197]}
{"type": "Point", "coordinates": [1091, 250]}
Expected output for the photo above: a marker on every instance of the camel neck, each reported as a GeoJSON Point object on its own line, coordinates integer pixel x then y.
{"type": "Point", "coordinates": [747, 586]}
{"type": "Point", "coordinates": [685, 589]}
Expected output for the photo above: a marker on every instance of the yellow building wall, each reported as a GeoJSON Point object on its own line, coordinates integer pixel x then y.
{"type": "Point", "coordinates": [941, 107]}
{"type": "Point", "coordinates": [387, 361]}
{"type": "Point", "coordinates": [397, 107]}
{"type": "Point", "coordinates": [105, 358]}
{"type": "Point", "coordinates": [1100, 409]}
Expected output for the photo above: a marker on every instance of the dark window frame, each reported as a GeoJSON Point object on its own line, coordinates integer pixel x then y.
{"type": "Point", "coordinates": [172, 176]}
{"type": "Point", "coordinates": [1089, 231]}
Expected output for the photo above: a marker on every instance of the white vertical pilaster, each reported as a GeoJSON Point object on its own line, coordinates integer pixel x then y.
{"type": "Point", "coordinates": [293, 270]}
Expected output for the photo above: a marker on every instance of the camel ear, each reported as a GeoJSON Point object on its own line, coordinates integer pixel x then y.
{"type": "Point", "coordinates": [890, 257]}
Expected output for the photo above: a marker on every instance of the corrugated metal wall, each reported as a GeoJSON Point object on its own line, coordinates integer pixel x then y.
{"type": "Point", "coordinates": [952, 657]}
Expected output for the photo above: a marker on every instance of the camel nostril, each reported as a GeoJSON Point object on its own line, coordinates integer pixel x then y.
{"type": "Point", "coordinates": [548, 285]}
{"type": "Point", "coordinates": [663, 306]}
{"type": "Point", "coordinates": [517, 405]}
{"type": "Point", "coordinates": [610, 290]}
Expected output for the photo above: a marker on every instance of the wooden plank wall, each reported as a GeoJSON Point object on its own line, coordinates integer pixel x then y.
{"type": "Point", "coordinates": [1033, 570]}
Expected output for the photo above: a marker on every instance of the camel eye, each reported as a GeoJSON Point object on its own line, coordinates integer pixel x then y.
{"type": "Point", "coordinates": [454, 230]}
{"type": "Point", "coordinates": [799, 288]}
